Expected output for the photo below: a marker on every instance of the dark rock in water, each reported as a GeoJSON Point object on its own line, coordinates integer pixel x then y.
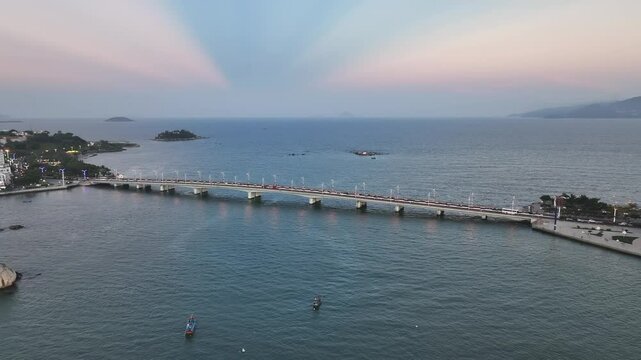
{"type": "Point", "coordinates": [16, 227]}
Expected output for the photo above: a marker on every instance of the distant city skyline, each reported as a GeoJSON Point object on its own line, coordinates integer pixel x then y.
{"type": "Point", "coordinates": [312, 58]}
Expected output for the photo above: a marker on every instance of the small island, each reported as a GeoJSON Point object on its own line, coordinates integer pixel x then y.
{"type": "Point", "coordinates": [177, 135]}
{"type": "Point", "coordinates": [367, 153]}
{"type": "Point", "coordinates": [119, 119]}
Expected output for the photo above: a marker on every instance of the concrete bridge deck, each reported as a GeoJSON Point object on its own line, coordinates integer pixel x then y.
{"type": "Point", "coordinates": [315, 196]}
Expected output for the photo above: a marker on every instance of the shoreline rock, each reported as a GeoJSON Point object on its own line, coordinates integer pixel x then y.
{"type": "Point", "coordinates": [8, 276]}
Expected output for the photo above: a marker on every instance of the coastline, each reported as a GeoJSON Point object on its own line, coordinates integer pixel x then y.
{"type": "Point", "coordinates": [41, 189]}
{"type": "Point", "coordinates": [605, 236]}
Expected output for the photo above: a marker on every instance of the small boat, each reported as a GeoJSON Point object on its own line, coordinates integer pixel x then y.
{"type": "Point", "coordinates": [190, 328]}
{"type": "Point", "coordinates": [316, 304]}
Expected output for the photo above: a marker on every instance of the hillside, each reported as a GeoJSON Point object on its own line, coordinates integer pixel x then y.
{"type": "Point", "coordinates": [629, 108]}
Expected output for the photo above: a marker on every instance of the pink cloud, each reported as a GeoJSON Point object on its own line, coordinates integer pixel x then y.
{"type": "Point", "coordinates": [587, 44]}
{"type": "Point", "coordinates": [97, 43]}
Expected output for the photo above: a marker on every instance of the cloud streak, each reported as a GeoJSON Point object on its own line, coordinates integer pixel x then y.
{"type": "Point", "coordinates": [99, 43]}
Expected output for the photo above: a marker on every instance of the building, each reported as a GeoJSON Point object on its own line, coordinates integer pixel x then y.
{"type": "Point", "coordinates": [5, 172]}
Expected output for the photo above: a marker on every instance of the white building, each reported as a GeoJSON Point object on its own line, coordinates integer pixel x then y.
{"type": "Point", "coordinates": [5, 172]}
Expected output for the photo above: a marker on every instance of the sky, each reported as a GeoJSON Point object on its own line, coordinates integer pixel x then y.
{"type": "Point", "coordinates": [313, 58]}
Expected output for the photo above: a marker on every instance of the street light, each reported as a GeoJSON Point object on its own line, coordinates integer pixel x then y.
{"type": "Point", "coordinates": [248, 177]}
{"type": "Point", "coordinates": [363, 187]}
{"type": "Point", "coordinates": [176, 171]}
{"type": "Point", "coordinates": [223, 174]}
{"type": "Point", "coordinates": [302, 179]}
{"type": "Point", "coordinates": [156, 174]}
{"type": "Point", "coordinates": [274, 178]}
{"type": "Point", "coordinates": [199, 175]}
{"type": "Point", "coordinates": [84, 174]}
{"type": "Point", "coordinates": [332, 180]}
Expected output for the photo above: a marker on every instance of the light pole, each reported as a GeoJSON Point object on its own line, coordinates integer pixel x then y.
{"type": "Point", "coordinates": [292, 183]}
{"type": "Point", "coordinates": [223, 174]}
{"type": "Point", "coordinates": [263, 181]}
{"type": "Point", "coordinates": [185, 176]}
{"type": "Point", "coordinates": [176, 171]}
{"type": "Point", "coordinates": [274, 178]}
{"type": "Point", "coordinates": [355, 190]}
{"type": "Point", "coordinates": [235, 179]}
{"type": "Point", "coordinates": [363, 187]}
{"type": "Point", "coordinates": [248, 177]}
{"type": "Point", "coordinates": [391, 194]}
{"type": "Point", "coordinates": [209, 178]}
{"type": "Point", "coordinates": [199, 175]}
{"type": "Point", "coordinates": [322, 187]}
{"type": "Point", "coordinates": [62, 171]}
{"type": "Point", "coordinates": [302, 179]}
{"type": "Point", "coordinates": [398, 191]}
{"type": "Point", "coordinates": [156, 175]}
{"type": "Point", "coordinates": [84, 174]}
{"type": "Point", "coordinates": [332, 180]}
{"type": "Point", "coordinates": [434, 194]}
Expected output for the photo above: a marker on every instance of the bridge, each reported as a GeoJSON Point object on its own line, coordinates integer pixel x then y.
{"type": "Point", "coordinates": [314, 196]}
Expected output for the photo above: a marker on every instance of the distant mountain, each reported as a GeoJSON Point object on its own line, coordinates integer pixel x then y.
{"type": "Point", "coordinates": [630, 108]}
{"type": "Point", "coordinates": [119, 119]}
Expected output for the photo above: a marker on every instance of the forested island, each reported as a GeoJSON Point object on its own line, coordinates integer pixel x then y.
{"type": "Point", "coordinates": [119, 119]}
{"type": "Point", "coordinates": [177, 135]}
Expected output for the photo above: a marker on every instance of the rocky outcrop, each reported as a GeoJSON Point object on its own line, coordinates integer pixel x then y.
{"type": "Point", "coordinates": [7, 276]}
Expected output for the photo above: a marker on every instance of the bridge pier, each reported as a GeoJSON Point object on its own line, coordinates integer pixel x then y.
{"type": "Point", "coordinates": [253, 195]}
{"type": "Point", "coordinates": [314, 201]}
{"type": "Point", "coordinates": [141, 186]}
{"type": "Point", "coordinates": [483, 217]}
{"type": "Point", "coordinates": [167, 188]}
{"type": "Point", "coordinates": [440, 213]}
{"type": "Point", "coordinates": [361, 205]}
{"type": "Point", "coordinates": [399, 209]}
{"type": "Point", "coordinates": [200, 191]}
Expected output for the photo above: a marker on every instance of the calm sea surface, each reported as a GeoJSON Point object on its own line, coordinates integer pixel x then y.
{"type": "Point", "coordinates": [113, 274]}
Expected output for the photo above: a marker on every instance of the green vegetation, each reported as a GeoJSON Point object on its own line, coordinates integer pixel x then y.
{"type": "Point", "coordinates": [176, 135]}
{"type": "Point", "coordinates": [584, 207]}
{"type": "Point", "coordinates": [42, 155]}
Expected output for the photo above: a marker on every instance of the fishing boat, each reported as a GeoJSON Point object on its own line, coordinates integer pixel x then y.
{"type": "Point", "coordinates": [317, 302]}
{"type": "Point", "coordinates": [190, 328]}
